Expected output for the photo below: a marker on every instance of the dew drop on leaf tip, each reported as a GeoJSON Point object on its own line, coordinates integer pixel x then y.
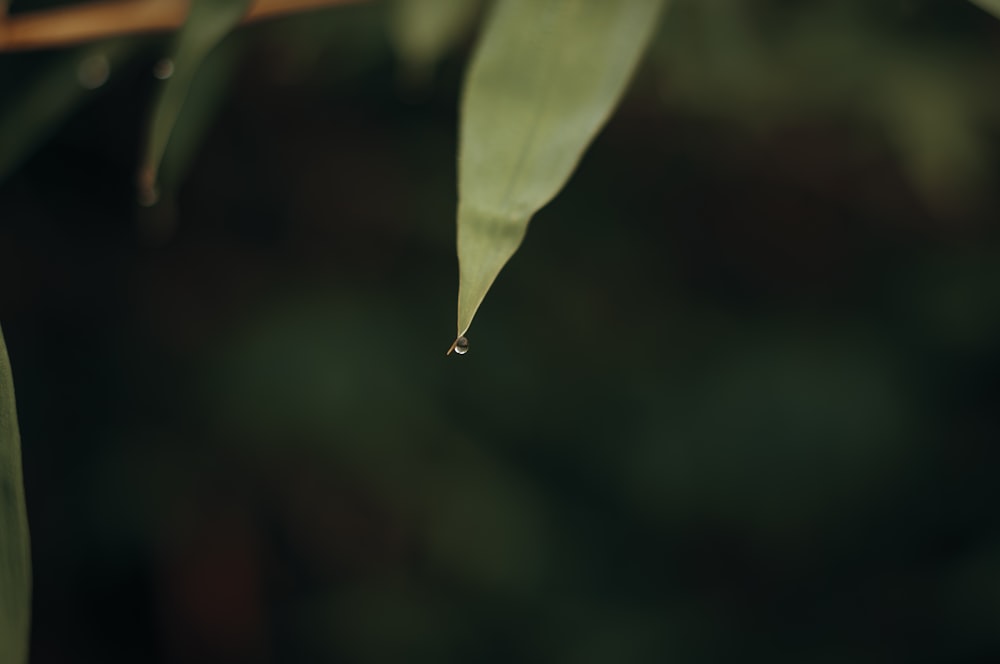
{"type": "Point", "coordinates": [461, 345]}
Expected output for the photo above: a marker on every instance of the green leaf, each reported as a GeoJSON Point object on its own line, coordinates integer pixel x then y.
{"type": "Point", "coordinates": [206, 96]}
{"type": "Point", "coordinates": [15, 553]}
{"type": "Point", "coordinates": [208, 22]}
{"type": "Point", "coordinates": [423, 31]}
{"type": "Point", "coordinates": [544, 79]}
{"type": "Point", "coordinates": [992, 6]}
{"type": "Point", "coordinates": [931, 118]}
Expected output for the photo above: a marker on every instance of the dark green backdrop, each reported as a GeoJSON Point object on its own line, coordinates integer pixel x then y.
{"type": "Point", "coordinates": [737, 398]}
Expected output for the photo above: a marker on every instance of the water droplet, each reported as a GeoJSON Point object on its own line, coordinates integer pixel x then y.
{"type": "Point", "coordinates": [462, 346]}
{"type": "Point", "coordinates": [93, 72]}
{"type": "Point", "coordinates": [163, 69]}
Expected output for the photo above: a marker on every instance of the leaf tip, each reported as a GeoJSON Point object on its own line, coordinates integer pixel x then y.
{"type": "Point", "coordinates": [460, 346]}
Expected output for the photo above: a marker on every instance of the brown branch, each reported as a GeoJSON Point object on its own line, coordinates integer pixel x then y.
{"type": "Point", "coordinates": [77, 24]}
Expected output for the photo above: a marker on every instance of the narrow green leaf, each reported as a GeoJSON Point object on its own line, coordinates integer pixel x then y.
{"type": "Point", "coordinates": [545, 78]}
{"type": "Point", "coordinates": [206, 96]}
{"type": "Point", "coordinates": [423, 31]}
{"type": "Point", "coordinates": [992, 6]}
{"type": "Point", "coordinates": [15, 554]}
{"type": "Point", "coordinates": [208, 22]}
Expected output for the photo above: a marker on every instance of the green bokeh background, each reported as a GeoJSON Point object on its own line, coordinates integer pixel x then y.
{"type": "Point", "coordinates": [737, 398]}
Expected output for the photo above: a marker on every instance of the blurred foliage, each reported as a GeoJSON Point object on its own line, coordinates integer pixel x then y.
{"type": "Point", "coordinates": [989, 5]}
{"type": "Point", "coordinates": [208, 23]}
{"type": "Point", "coordinates": [929, 92]}
{"type": "Point", "coordinates": [735, 399]}
{"type": "Point", "coordinates": [424, 31]}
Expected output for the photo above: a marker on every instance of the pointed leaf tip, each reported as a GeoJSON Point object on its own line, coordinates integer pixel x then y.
{"type": "Point", "coordinates": [544, 79]}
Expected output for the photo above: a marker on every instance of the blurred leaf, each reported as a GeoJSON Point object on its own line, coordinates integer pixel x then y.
{"type": "Point", "coordinates": [729, 61]}
{"type": "Point", "coordinates": [55, 92]}
{"type": "Point", "coordinates": [15, 556]}
{"type": "Point", "coordinates": [992, 6]}
{"type": "Point", "coordinates": [207, 93]}
{"type": "Point", "coordinates": [423, 31]}
{"type": "Point", "coordinates": [942, 149]}
{"type": "Point", "coordinates": [932, 98]}
{"type": "Point", "coordinates": [208, 22]}
{"type": "Point", "coordinates": [545, 78]}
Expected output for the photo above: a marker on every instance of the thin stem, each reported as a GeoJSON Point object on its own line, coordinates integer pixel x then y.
{"type": "Point", "coordinates": [76, 24]}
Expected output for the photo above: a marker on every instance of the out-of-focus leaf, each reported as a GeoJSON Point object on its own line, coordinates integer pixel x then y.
{"type": "Point", "coordinates": [15, 555]}
{"type": "Point", "coordinates": [992, 6]}
{"type": "Point", "coordinates": [208, 22]}
{"type": "Point", "coordinates": [934, 100]}
{"type": "Point", "coordinates": [544, 79]}
{"type": "Point", "coordinates": [942, 149]}
{"type": "Point", "coordinates": [53, 95]}
{"type": "Point", "coordinates": [207, 93]}
{"type": "Point", "coordinates": [423, 31]}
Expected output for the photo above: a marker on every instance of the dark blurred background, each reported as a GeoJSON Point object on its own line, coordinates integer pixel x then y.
{"type": "Point", "coordinates": [737, 398]}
